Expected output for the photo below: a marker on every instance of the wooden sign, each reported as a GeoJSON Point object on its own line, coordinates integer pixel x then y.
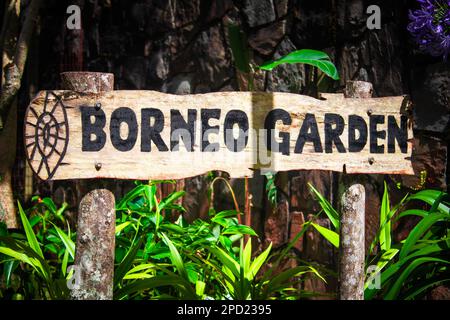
{"type": "Point", "coordinates": [152, 135]}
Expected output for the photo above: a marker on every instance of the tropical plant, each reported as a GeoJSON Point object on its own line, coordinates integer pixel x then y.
{"type": "Point", "coordinates": [159, 259]}
{"type": "Point", "coordinates": [39, 260]}
{"type": "Point", "coordinates": [410, 268]}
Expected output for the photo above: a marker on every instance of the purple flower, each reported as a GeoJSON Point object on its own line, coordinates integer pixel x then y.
{"type": "Point", "coordinates": [430, 27]}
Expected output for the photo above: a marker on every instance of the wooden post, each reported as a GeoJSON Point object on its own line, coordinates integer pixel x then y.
{"type": "Point", "coordinates": [94, 258]}
{"type": "Point", "coordinates": [352, 229]}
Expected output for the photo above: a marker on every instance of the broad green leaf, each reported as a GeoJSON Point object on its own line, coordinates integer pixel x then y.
{"type": "Point", "coordinates": [315, 58]}
{"type": "Point", "coordinates": [328, 234]}
{"type": "Point", "coordinates": [31, 237]}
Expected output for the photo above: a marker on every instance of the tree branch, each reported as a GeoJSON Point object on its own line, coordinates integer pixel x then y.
{"type": "Point", "coordinates": [14, 71]}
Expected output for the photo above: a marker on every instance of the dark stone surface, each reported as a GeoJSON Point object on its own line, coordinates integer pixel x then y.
{"type": "Point", "coordinates": [259, 12]}
{"type": "Point", "coordinates": [431, 97]}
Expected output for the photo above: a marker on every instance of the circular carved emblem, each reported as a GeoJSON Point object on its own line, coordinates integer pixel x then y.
{"type": "Point", "coordinates": [46, 134]}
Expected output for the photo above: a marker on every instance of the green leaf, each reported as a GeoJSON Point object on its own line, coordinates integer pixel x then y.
{"type": "Point", "coordinates": [31, 237]}
{"type": "Point", "coordinates": [64, 262]}
{"type": "Point", "coordinates": [227, 260]}
{"type": "Point", "coordinates": [239, 48]}
{"type": "Point", "coordinates": [418, 231]}
{"type": "Point", "coordinates": [258, 262]}
{"type": "Point", "coordinates": [9, 267]}
{"type": "Point", "coordinates": [385, 224]}
{"type": "Point", "coordinates": [122, 226]}
{"type": "Point", "coordinates": [50, 205]}
{"type": "Point", "coordinates": [127, 262]}
{"type": "Point", "coordinates": [331, 213]}
{"type": "Point", "coordinates": [315, 58]}
{"type": "Point", "coordinates": [137, 191]}
{"type": "Point", "coordinates": [385, 258]}
{"type": "Point", "coordinates": [155, 282]}
{"type": "Point", "coordinates": [170, 199]}
{"type": "Point", "coordinates": [20, 256]}
{"type": "Point", "coordinates": [68, 243]}
{"type": "Point", "coordinates": [60, 211]}
{"type": "Point", "coordinates": [150, 191]}
{"type": "Point", "coordinates": [225, 214]}
{"type": "Point", "coordinates": [430, 196]}
{"type": "Point", "coordinates": [241, 229]}
{"type": "Point", "coordinates": [175, 256]}
{"type": "Point", "coordinates": [413, 212]}
{"type": "Point", "coordinates": [246, 256]}
{"type": "Point", "coordinates": [395, 289]}
{"type": "Point", "coordinates": [200, 288]}
{"type": "Point", "coordinates": [328, 234]}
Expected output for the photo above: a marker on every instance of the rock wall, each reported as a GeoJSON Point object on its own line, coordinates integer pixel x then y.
{"type": "Point", "coordinates": [181, 46]}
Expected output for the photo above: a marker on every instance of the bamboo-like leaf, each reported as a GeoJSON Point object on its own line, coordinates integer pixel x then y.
{"type": "Point", "coordinates": [127, 262]}
{"type": "Point", "coordinates": [258, 262]}
{"type": "Point", "coordinates": [395, 289]}
{"type": "Point", "coordinates": [175, 256]}
{"type": "Point", "coordinates": [385, 258]}
{"type": "Point", "coordinates": [65, 260]}
{"type": "Point", "coordinates": [328, 234]}
{"type": "Point", "coordinates": [170, 198]}
{"type": "Point", "coordinates": [20, 256]}
{"type": "Point", "coordinates": [68, 243]}
{"type": "Point", "coordinates": [413, 212]}
{"type": "Point", "coordinates": [31, 237]}
{"type": "Point", "coordinates": [385, 224]}
{"type": "Point", "coordinates": [239, 48]}
{"type": "Point", "coordinates": [430, 196]}
{"type": "Point", "coordinates": [228, 261]}
{"type": "Point", "coordinates": [122, 226]}
{"type": "Point", "coordinates": [326, 206]}
{"type": "Point", "coordinates": [418, 231]}
{"type": "Point", "coordinates": [246, 256]}
{"type": "Point", "coordinates": [155, 282]}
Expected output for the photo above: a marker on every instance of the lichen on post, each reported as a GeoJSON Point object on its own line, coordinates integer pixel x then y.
{"type": "Point", "coordinates": [94, 257]}
{"type": "Point", "coordinates": [352, 225]}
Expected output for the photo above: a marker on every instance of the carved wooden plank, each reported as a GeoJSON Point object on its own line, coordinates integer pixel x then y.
{"type": "Point", "coordinates": [118, 141]}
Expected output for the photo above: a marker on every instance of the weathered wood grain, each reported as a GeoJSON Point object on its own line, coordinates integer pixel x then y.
{"type": "Point", "coordinates": [135, 164]}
